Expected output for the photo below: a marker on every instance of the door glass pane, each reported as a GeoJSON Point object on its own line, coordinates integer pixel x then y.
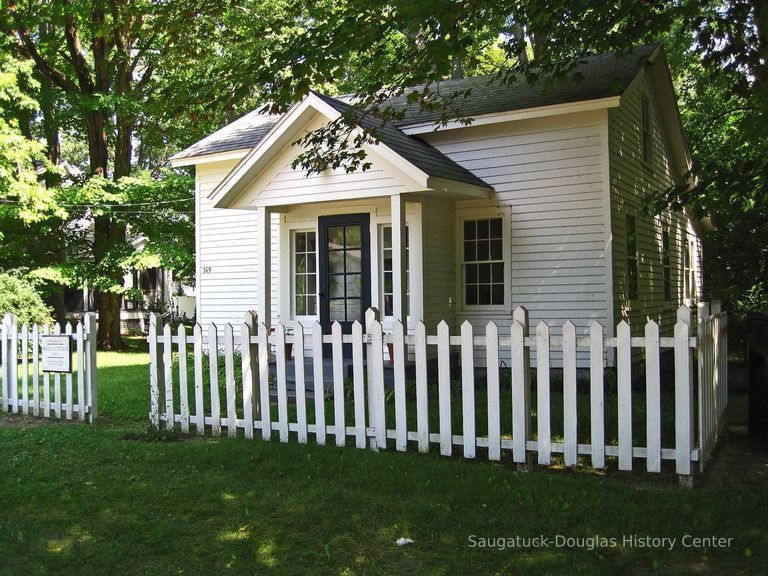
{"type": "Point", "coordinates": [336, 286]}
{"type": "Point", "coordinates": [354, 306]}
{"type": "Point", "coordinates": [336, 310]}
{"type": "Point", "coordinates": [354, 260]}
{"type": "Point", "coordinates": [336, 262]}
{"type": "Point", "coordinates": [336, 237]}
{"type": "Point", "coordinates": [354, 285]}
{"type": "Point", "coordinates": [353, 234]}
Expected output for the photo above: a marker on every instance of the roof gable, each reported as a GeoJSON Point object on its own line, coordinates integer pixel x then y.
{"type": "Point", "coordinates": [420, 162]}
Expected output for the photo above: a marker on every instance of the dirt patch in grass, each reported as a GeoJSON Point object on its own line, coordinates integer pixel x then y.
{"type": "Point", "coordinates": [735, 462]}
{"type": "Point", "coordinates": [23, 421]}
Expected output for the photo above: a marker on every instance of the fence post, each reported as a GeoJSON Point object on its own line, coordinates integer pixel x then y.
{"type": "Point", "coordinates": [5, 356]}
{"type": "Point", "coordinates": [371, 316]}
{"type": "Point", "coordinates": [520, 315]}
{"type": "Point", "coordinates": [91, 367]}
{"type": "Point", "coordinates": [251, 320]}
{"type": "Point", "coordinates": [702, 351]}
{"type": "Point", "coordinates": [683, 397]}
{"type": "Point", "coordinates": [156, 370]}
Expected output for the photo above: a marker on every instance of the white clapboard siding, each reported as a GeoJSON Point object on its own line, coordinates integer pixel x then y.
{"type": "Point", "coordinates": [23, 371]}
{"type": "Point", "coordinates": [550, 181]}
{"type": "Point", "coordinates": [372, 428]}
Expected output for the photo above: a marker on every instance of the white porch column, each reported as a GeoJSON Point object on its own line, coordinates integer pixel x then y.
{"type": "Point", "coordinates": [400, 298]}
{"type": "Point", "coordinates": [263, 265]}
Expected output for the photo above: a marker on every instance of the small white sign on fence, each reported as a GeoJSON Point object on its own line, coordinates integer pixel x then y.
{"type": "Point", "coordinates": [57, 354]}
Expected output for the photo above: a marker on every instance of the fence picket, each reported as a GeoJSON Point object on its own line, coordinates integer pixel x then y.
{"type": "Point", "coordinates": [542, 394]}
{"type": "Point", "coordinates": [358, 379]}
{"type": "Point", "coordinates": [24, 369]}
{"type": "Point", "coordinates": [570, 405]}
{"type": "Point", "coordinates": [339, 423]}
{"type": "Point", "coordinates": [596, 394]}
{"type": "Point", "coordinates": [246, 370]}
{"type": "Point", "coordinates": [265, 410]}
{"type": "Point", "coordinates": [519, 412]}
{"type": "Point", "coordinates": [683, 390]}
{"type": "Point", "coordinates": [229, 379]}
{"type": "Point", "coordinates": [379, 397]}
{"type": "Point", "coordinates": [198, 368]}
{"type": "Point", "coordinates": [319, 382]}
{"type": "Point", "coordinates": [401, 425]}
{"type": "Point", "coordinates": [79, 332]}
{"type": "Point", "coordinates": [494, 417]}
{"type": "Point", "coordinates": [47, 383]}
{"type": "Point", "coordinates": [468, 389]}
{"type": "Point", "coordinates": [36, 368]}
{"type": "Point", "coordinates": [624, 387]}
{"type": "Point", "coordinates": [282, 383]}
{"type": "Point", "coordinates": [523, 415]}
{"type": "Point", "coordinates": [422, 400]}
{"type": "Point", "coordinates": [170, 419]}
{"type": "Point", "coordinates": [12, 363]}
{"type": "Point", "coordinates": [56, 380]}
{"type": "Point", "coordinates": [444, 387]}
{"type": "Point", "coordinates": [652, 397]}
{"type": "Point", "coordinates": [68, 379]}
{"type": "Point", "coordinates": [213, 370]}
{"type": "Point", "coordinates": [6, 367]}
{"type": "Point", "coordinates": [91, 370]}
{"type": "Point", "coordinates": [300, 379]}
{"type": "Point", "coordinates": [183, 390]}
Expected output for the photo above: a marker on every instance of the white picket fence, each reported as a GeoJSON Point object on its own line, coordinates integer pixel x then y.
{"type": "Point", "coordinates": [246, 392]}
{"type": "Point", "coordinates": [713, 376]}
{"type": "Point", "coordinates": [27, 389]}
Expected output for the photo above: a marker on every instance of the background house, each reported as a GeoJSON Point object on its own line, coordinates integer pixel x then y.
{"type": "Point", "coordinates": [538, 203]}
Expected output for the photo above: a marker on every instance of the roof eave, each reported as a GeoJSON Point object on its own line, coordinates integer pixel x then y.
{"type": "Point", "coordinates": [180, 160]}
{"type": "Point", "coordinates": [512, 115]}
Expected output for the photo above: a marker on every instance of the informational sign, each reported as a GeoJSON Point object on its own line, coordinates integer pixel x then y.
{"type": "Point", "coordinates": [57, 353]}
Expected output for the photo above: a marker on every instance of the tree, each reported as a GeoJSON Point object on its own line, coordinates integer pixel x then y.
{"type": "Point", "coordinates": [96, 60]}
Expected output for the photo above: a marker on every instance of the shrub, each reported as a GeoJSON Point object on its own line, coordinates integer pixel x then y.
{"type": "Point", "coordinates": [19, 296]}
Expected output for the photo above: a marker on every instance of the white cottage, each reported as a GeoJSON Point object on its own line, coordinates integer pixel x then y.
{"type": "Point", "coordinates": [537, 203]}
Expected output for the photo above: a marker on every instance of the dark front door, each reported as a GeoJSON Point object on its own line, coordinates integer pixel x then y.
{"type": "Point", "coordinates": [345, 283]}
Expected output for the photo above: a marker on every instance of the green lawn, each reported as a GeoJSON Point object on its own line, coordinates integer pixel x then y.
{"type": "Point", "coordinates": [103, 499]}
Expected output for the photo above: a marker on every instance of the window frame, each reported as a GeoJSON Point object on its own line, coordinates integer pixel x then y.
{"type": "Point", "coordinates": [646, 130]}
{"type": "Point", "coordinates": [483, 214]}
{"type": "Point", "coordinates": [690, 293]}
{"type": "Point", "coordinates": [382, 272]}
{"type": "Point", "coordinates": [292, 271]}
{"type": "Point", "coordinates": [633, 288]}
{"type": "Point", "coordinates": [666, 263]}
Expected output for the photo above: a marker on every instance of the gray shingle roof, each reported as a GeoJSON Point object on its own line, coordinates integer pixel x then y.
{"type": "Point", "coordinates": [603, 75]}
{"type": "Point", "coordinates": [425, 157]}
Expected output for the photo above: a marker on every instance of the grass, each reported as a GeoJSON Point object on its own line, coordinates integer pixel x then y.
{"type": "Point", "coordinates": [106, 499]}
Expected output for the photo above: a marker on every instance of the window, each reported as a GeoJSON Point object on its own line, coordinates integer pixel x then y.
{"type": "Point", "coordinates": [632, 258]}
{"type": "Point", "coordinates": [305, 273]}
{"type": "Point", "coordinates": [387, 284]}
{"type": "Point", "coordinates": [665, 265]}
{"type": "Point", "coordinates": [646, 136]}
{"type": "Point", "coordinates": [483, 262]}
{"type": "Point", "coordinates": [689, 275]}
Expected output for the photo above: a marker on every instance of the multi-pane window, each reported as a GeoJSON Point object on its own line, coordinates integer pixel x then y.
{"type": "Point", "coordinates": [305, 273]}
{"type": "Point", "coordinates": [665, 265]}
{"type": "Point", "coordinates": [689, 275]}
{"type": "Point", "coordinates": [388, 279]}
{"type": "Point", "coordinates": [632, 280]}
{"type": "Point", "coordinates": [646, 141]}
{"type": "Point", "coordinates": [483, 262]}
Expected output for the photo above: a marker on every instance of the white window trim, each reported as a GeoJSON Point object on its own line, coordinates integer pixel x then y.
{"type": "Point", "coordinates": [380, 266]}
{"type": "Point", "coordinates": [292, 274]}
{"type": "Point", "coordinates": [506, 238]}
{"type": "Point", "coordinates": [645, 95]}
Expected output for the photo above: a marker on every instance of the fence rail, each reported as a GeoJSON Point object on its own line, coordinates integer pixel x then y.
{"type": "Point", "coordinates": [28, 389]}
{"type": "Point", "coordinates": [447, 415]}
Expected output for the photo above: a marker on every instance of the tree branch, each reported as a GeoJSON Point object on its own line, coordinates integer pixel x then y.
{"type": "Point", "coordinates": [73, 44]}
